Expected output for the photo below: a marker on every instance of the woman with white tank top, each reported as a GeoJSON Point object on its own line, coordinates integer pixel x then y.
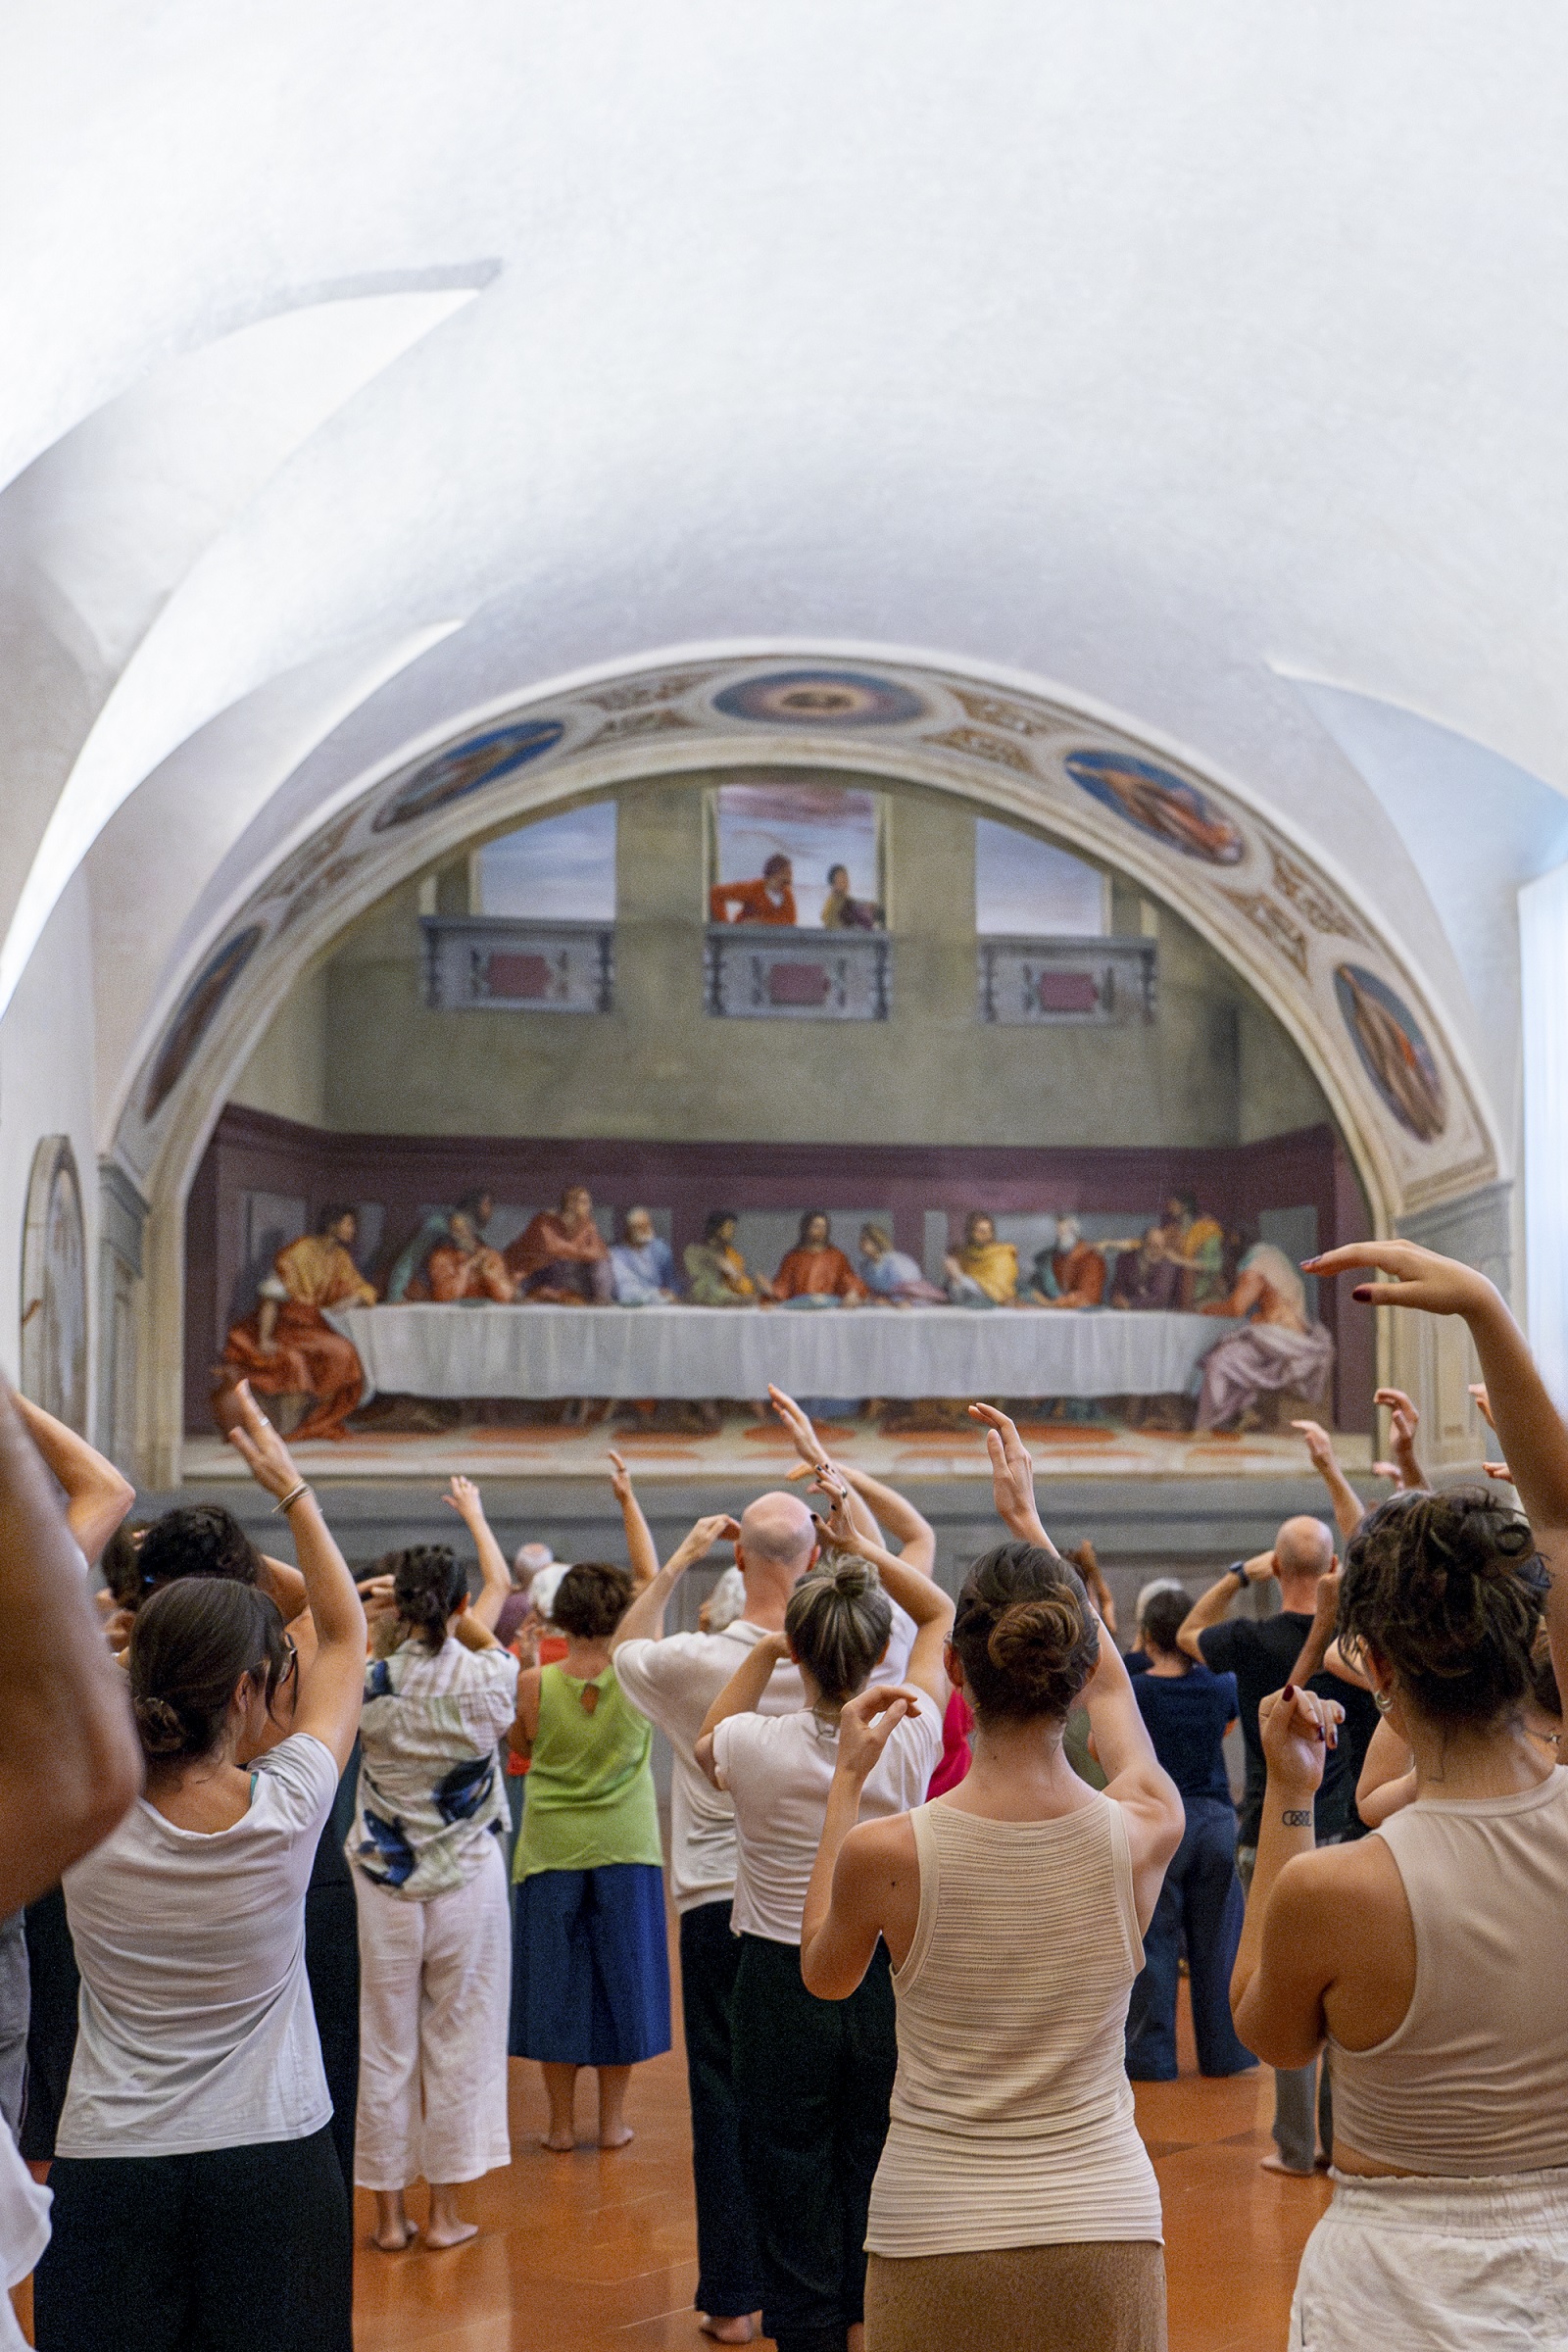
{"type": "Point", "coordinates": [1428, 1956]}
{"type": "Point", "coordinates": [1015, 2207]}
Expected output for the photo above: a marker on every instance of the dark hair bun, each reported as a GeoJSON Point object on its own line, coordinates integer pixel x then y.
{"type": "Point", "coordinates": [1025, 1632]}
{"type": "Point", "coordinates": [162, 1732]}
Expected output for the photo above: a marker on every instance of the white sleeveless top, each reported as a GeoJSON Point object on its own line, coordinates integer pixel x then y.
{"type": "Point", "coordinates": [1012, 2115]}
{"type": "Point", "coordinates": [1474, 2080]}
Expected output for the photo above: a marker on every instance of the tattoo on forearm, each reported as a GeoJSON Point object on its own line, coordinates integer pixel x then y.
{"type": "Point", "coordinates": [1294, 1820]}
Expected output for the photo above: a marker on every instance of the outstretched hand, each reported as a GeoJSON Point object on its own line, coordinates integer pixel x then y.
{"type": "Point", "coordinates": [716, 1527]}
{"type": "Point", "coordinates": [259, 1447]}
{"type": "Point", "coordinates": [1012, 1475]}
{"type": "Point", "coordinates": [1298, 1731]}
{"type": "Point", "coordinates": [619, 1479]}
{"type": "Point", "coordinates": [808, 1445]}
{"type": "Point", "coordinates": [1416, 1277]}
{"type": "Point", "coordinates": [462, 1497]}
{"type": "Point", "coordinates": [1319, 1445]}
{"type": "Point", "coordinates": [868, 1722]}
{"type": "Point", "coordinates": [838, 1529]}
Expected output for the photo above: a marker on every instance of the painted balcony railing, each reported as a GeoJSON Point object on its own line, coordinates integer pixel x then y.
{"type": "Point", "coordinates": [507, 964]}
{"type": "Point", "coordinates": [762, 972]}
{"type": "Point", "coordinates": [1084, 982]}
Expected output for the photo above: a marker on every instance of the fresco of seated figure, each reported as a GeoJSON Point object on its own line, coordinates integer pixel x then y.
{"type": "Point", "coordinates": [411, 1259]}
{"type": "Point", "coordinates": [816, 1269]}
{"type": "Point", "coordinates": [463, 1266]}
{"type": "Point", "coordinates": [643, 1264]}
{"type": "Point", "coordinates": [715, 1269]}
{"type": "Point", "coordinates": [1074, 1272]}
{"type": "Point", "coordinates": [286, 1348]}
{"type": "Point", "coordinates": [984, 1272]}
{"type": "Point", "coordinates": [1147, 1278]}
{"type": "Point", "coordinates": [890, 1273]}
{"type": "Point", "coordinates": [561, 1256]}
{"type": "Point", "coordinates": [769, 900]}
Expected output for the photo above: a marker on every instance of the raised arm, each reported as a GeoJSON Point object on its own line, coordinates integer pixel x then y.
{"type": "Point", "coordinates": [919, 1596]}
{"type": "Point", "coordinates": [742, 1695]}
{"type": "Point", "coordinates": [1135, 1778]}
{"type": "Point", "coordinates": [815, 1457]}
{"type": "Point", "coordinates": [1404, 1419]}
{"type": "Point", "coordinates": [644, 1621]}
{"type": "Point", "coordinates": [913, 1534]}
{"type": "Point", "coordinates": [642, 1552]}
{"type": "Point", "coordinates": [1388, 1781]}
{"type": "Point", "coordinates": [1212, 1606]}
{"type": "Point", "coordinates": [1285, 1959]}
{"type": "Point", "coordinates": [97, 1497]}
{"type": "Point", "coordinates": [332, 1686]}
{"type": "Point", "coordinates": [495, 1587]}
{"type": "Point", "coordinates": [1349, 1509]}
{"type": "Point", "coordinates": [866, 1880]}
{"type": "Point", "coordinates": [1315, 1649]}
{"type": "Point", "coordinates": [1534, 1439]}
{"type": "Point", "coordinates": [70, 1760]}
{"type": "Point", "coordinates": [1012, 1476]}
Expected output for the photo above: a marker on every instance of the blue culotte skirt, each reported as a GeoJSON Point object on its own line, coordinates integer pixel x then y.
{"type": "Point", "coordinates": [589, 1966]}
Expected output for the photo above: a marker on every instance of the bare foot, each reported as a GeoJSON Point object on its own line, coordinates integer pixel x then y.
{"type": "Point", "coordinates": [451, 2234]}
{"type": "Point", "coordinates": [616, 2137]}
{"type": "Point", "coordinates": [560, 2143]}
{"type": "Point", "coordinates": [1292, 2172]}
{"type": "Point", "coordinates": [727, 2331]}
{"type": "Point", "coordinates": [395, 2240]}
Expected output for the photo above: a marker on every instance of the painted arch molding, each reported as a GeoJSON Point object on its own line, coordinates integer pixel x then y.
{"type": "Point", "coordinates": [1297, 930]}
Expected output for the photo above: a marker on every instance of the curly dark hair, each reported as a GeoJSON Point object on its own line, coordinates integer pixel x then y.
{"type": "Point", "coordinates": [1543, 1678]}
{"type": "Point", "coordinates": [428, 1581]}
{"type": "Point", "coordinates": [1025, 1634]}
{"type": "Point", "coordinates": [1449, 1589]}
{"type": "Point", "coordinates": [199, 1538]}
{"type": "Point", "coordinates": [591, 1600]}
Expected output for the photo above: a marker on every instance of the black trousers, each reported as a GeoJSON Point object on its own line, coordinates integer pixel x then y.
{"type": "Point", "coordinates": [730, 2269]}
{"type": "Point", "coordinates": [813, 2081]}
{"type": "Point", "coordinates": [332, 1964]}
{"type": "Point", "coordinates": [235, 2250]}
{"type": "Point", "coordinates": [51, 2023]}
{"type": "Point", "coordinates": [1201, 1898]}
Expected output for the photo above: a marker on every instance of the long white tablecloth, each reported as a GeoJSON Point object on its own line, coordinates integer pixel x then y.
{"type": "Point", "coordinates": [483, 1350]}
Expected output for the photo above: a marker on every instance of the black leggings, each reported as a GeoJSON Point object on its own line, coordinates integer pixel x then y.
{"type": "Point", "coordinates": [813, 2081]}
{"type": "Point", "coordinates": [232, 2250]}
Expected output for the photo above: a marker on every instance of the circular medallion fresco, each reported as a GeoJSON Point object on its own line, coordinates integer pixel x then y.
{"type": "Point", "coordinates": [194, 1018]}
{"type": "Point", "coordinates": [467, 767]}
{"type": "Point", "coordinates": [820, 697]}
{"type": "Point", "coordinates": [1160, 804]}
{"type": "Point", "coordinates": [54, 1287]}
{"type": "Point", "coordinates": [1394, 1054]}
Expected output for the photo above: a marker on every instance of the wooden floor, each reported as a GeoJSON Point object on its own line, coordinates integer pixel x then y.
{"type": "Point", "coordinates": [582, 2252]}
{"type": "Point", "coordinates": [599, 2251]}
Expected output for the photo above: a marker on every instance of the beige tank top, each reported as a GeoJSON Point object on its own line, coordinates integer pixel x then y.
{"type": "Point", "coordinates": [1474, 2082]}
{"type": "Point", "coordinates": [1011, 2120]}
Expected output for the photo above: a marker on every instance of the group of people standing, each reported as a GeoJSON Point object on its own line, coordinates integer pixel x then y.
{"type": "Point", "coordinates": [906, 2015]}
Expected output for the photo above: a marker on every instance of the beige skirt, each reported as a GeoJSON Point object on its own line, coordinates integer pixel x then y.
{"type": "Point", "coordinates": [1085, 2297]}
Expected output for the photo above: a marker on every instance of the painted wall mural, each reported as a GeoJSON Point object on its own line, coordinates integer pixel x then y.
{"type": "Point", "coordinates": [1160, 804]}
{"type": "Point", "coordinates": [1024, 758]}
{"type": "Point", "coordinates": [54, 1287]}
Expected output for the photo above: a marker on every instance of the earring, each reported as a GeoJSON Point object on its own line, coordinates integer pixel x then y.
{"type": "Point", "coordinates": [1382, 1702]}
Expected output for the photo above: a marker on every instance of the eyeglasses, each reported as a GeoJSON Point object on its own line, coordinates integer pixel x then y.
{"type": "Point", "coordinates": [289, 1668]}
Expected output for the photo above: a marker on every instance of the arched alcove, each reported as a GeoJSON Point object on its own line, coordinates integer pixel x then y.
{"type": "Point", "coordinates": [1294, 931]}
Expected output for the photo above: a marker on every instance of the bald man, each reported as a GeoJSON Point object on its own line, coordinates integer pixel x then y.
{"type": "Point", "coordinates": [1262, 1651]}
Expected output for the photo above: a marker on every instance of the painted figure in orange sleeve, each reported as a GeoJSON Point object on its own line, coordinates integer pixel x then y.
{"type": "Point", "coordinates": [561, 1258]}
{"type": "Point", "coordinates": [463, 1266]}
{"type": "Point", "coordinates": [1078, 1268]}
{"type": "Point", "coordinates": [770, 900]}
{"type": "Point", "coordinates": [288, 1346]}
{"type": "Point", "coordinates": [816, 1269]}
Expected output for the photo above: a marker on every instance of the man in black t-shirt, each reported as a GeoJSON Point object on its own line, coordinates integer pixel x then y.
{"type": "Point", "coordinates": [1261, 1652]}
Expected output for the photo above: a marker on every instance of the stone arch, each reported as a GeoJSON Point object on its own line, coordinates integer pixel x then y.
{"type": "Point", "coordinates": [1394, 1072]}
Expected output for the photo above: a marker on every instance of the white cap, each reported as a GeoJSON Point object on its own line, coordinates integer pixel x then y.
{"type": "Point", "coordinates": [545, 1585]}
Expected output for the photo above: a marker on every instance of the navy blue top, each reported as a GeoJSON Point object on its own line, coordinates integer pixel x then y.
{"type": "Point", "coordinates": [1186, 1716]}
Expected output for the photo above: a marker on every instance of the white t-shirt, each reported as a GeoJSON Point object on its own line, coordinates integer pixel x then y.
{"type": "Point", "coordinates": [779, 1770]}
{"type": "Point", "coordinates": [24, 2234]}
{"type": "Point", "coordinates": [675, 1683]}
{"type": "Point", "coordinates": [196, 2029]}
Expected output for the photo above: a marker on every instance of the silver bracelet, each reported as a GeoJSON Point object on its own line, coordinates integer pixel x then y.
{"type": "Point", "coordinates": [291, 1498]}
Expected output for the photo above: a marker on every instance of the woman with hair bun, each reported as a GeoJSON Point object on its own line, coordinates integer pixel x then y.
{"type": "Point", "coordinates": [198, 2196]}
{"type": "Point", "coordinates": [1427, 1954]}
{"type": "Point", "coordinates": [427, 1848]}
{"type": "Point", "coordinates": [590, 1983]}
{"type": "Point", "coordinates": [1014, 2206]}
{"type": "Point", "coordinates": [812, 2081]}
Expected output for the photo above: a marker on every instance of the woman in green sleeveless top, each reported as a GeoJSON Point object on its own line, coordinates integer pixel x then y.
{"type": "Point", "coordinates": [590, 1958]}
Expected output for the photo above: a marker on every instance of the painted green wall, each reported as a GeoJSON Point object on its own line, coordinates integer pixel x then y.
{"type": "Point", "coordinates": [1213, 1067]}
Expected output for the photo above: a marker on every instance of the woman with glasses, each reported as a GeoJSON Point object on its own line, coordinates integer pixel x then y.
{"type": "Point", "coordinates": [197, 2194]}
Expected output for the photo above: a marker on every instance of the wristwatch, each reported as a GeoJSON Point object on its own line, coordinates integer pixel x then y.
{"type": "Point", "coordinates": [1240, 1574]}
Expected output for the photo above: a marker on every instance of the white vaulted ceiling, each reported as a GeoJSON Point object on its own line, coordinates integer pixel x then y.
{"type": "Point", "coordinates": [366, 365]}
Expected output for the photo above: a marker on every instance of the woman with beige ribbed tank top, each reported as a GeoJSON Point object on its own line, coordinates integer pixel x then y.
{"type": "Point", "coordinates": [1429, 1956]}
{"type": "Point", "coordinates": [1015, 2206]}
